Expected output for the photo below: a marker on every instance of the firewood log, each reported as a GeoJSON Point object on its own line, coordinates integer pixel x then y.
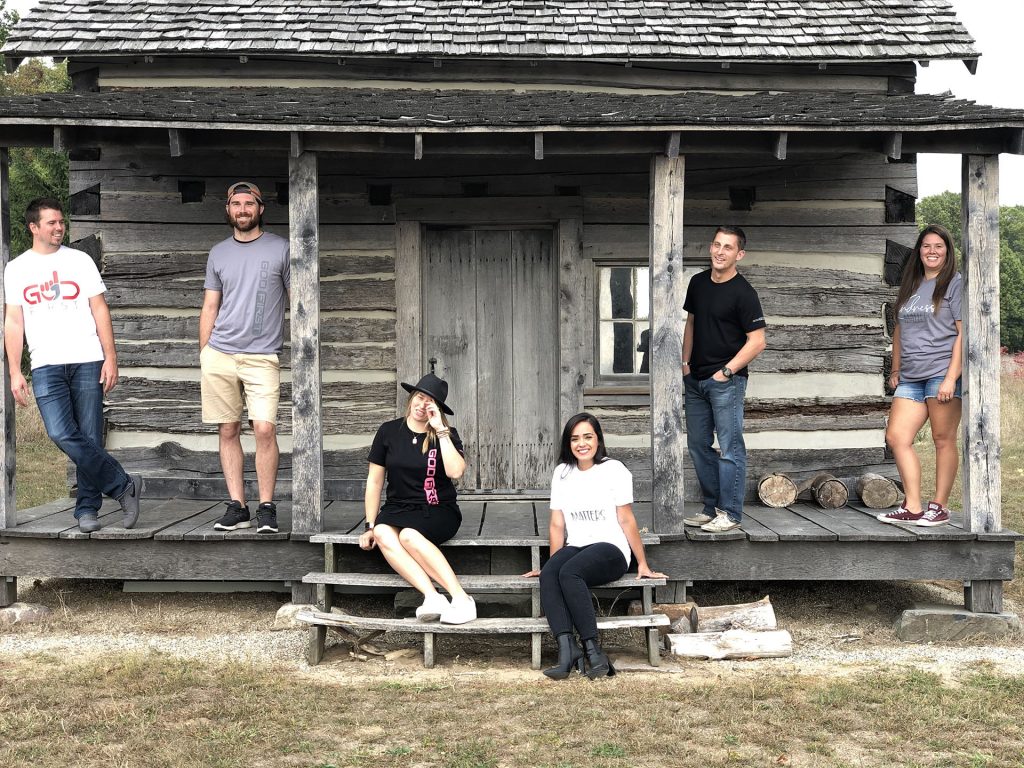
{"type": "Point", "coordinates": [733, 644]}
{"type": "Point", "coordinates": [776, 490]}
{"type": "Point", "coordinates": [877, 492]}
{"type": "Point", "coordinates": [755, 616]}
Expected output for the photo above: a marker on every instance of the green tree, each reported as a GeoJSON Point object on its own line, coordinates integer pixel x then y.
{"type": "Point", "coordinates": [1011, 299]}
{"type": "Point", "coordinates": [944, 209]}
{"type": "Point", "coordinates": [35, 171]}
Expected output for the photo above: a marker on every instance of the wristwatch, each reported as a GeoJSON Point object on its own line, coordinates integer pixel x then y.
{"type": "Point", "coordinates": [727, 372]}
{"type": "Point", "coordinates": [367, 526]}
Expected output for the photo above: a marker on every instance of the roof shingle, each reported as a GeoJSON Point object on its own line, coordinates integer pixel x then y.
{"type": "Point", "coordinates": [376, 108]}
{"type": "Point", "coordinates": [663, 29]}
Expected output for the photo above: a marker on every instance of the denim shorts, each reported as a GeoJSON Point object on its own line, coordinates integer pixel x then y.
{"type": "Point", "coordinates": [919, 391]}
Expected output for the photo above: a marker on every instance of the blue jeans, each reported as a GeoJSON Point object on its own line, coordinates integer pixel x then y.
{"type": "Point", "coordinates": [70, 400]}
{"type": "Point", "coordinates": [714, 406]}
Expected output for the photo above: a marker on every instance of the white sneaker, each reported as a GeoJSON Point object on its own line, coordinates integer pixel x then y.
{"type": "Point", "coordinates": [697, 520]}
{"type": "Point", "coordinates": [460, 612]}
{"type": "Point", "coordinates": [721, 524]}
{"type": "Point", "coordinates": [433, 606]}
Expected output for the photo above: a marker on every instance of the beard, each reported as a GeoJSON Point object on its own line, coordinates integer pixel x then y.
{"type": "Point", "coordinates": [247, 225]}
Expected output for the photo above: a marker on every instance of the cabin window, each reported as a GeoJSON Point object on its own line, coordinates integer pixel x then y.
{"type": "Point", "coordinates": [623, 323]}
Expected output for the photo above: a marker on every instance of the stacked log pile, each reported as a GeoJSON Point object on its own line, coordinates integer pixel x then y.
{"type": "Point", "coordinates": [744, 631]}
{"type": "Point", "coordinates": [776, 489]}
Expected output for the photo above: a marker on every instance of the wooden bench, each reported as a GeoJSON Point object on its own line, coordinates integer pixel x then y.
{"type": "Point", "coordinates": [533, 625]}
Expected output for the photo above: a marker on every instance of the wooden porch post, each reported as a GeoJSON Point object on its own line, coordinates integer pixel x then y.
{"type": "Point", "coordinates": [8, 501]}
{"type": "Point", "coordinates": [409, 316]}
{"type": "Point", "coordinates": [668, 438]}
{"type": "Point", "coordinates": [981, 471]}
{"type": "Point", "coordinates": [307, 425]}
{"type": "Point", "coordinates": [575, 358]}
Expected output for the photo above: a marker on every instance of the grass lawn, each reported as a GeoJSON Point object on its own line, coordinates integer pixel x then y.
{"type": "Point", "coordinates": [156, 711]}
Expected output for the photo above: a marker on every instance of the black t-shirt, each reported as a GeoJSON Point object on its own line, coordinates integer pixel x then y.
{"type": "Point", "coordinates": [414, 477]}
{"type": "Point", "coordinates": [723, 315]}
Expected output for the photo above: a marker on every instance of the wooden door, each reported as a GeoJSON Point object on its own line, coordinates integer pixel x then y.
{"type": "Point", "coordinates": [490, 319]}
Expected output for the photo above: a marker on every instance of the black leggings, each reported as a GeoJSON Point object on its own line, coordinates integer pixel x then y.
{"type": "Point", "coordinates": [565, 583]}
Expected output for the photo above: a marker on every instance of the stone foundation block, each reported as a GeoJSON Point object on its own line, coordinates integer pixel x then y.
{"type": "Point", "coordinates": [932, 623]}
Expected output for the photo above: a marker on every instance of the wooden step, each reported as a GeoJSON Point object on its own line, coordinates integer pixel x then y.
{"type": "Point", "coordinates": [514, 626]}
{"type": "Point", "coordinates": [339, 537]}
{"type": "Point", "coordinates": [470, 582]}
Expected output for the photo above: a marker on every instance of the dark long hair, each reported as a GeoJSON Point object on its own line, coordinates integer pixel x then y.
{"type": "Point", "coordinates": [565, 455]}
{"type": "Point", "coordinates": [913, 270]}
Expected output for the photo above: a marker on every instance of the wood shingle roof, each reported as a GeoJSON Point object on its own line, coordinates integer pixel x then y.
{"type": "Point", "coordinates": [764, 30]}
{"type": "Point", "coordinates": [461, 110]}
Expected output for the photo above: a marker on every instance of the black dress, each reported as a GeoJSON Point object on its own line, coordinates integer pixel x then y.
{"type": "Point", "coordinates": [420, 495]}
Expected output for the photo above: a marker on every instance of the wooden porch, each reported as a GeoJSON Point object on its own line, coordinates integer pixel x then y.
{"type": "Point", "coordinates": [175, 540]}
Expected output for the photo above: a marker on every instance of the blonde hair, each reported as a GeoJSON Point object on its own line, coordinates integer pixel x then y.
{"type": "Point", "coordinates": [431, 434]}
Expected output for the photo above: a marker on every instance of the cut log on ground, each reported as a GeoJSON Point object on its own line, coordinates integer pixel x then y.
{"type": "Point", "coordinates": [829, 491]}
{"type": "Point", "coordinates": [776, 490]}
{"type": "Point", "coordinates": [734, 644]}
{"type": "Point", "coordinates": [682, 615]}
{"type": "Point", "coordinates": [755, 616]}
{"type": "Point", "coordinates": [877, 492]}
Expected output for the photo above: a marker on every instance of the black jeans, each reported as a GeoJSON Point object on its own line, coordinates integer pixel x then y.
{"type": "Point", "coordinates": [565, 583]}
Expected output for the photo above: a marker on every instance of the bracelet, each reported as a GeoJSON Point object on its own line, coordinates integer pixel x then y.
{"type": "Point", "coordinates": [443, 433]}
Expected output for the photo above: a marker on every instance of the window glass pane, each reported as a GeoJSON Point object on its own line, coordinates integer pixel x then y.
{"type": "Point", "coordinates": [643, 293]}
{"type": "Point", "coordinates": [622, 355]}
{"type": "Point", "coordinates": [604, 294]}
{"type": "Point", "coordinates": [643, 348]}
{"type": "Point", "coordinates": [621, 285]}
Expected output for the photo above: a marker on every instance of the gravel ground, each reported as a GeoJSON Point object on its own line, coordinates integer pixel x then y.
{"type": "Point", "coordinates": [838, 629]}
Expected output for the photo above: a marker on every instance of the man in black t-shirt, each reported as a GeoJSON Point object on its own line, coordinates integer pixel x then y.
{"type": "Point", "coordinates": [724, 332]}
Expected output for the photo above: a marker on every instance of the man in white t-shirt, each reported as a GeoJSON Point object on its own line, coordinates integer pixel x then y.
{"type": "Point", "coordinates": [54, 298]}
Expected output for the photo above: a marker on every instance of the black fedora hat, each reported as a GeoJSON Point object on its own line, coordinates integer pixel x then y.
{"type": "Point", "coordinates": [433, 386]}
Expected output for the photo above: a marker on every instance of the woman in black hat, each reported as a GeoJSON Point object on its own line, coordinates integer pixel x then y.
{"type": "Point", "coordinates": [420, 454]}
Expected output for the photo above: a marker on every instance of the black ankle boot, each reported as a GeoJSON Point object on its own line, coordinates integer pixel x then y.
{"type": "Point", "coordinates": [598, 664]}
{"type": "Point", "coordinates": [569, 655]}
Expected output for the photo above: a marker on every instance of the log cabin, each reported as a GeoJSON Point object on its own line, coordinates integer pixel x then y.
{"type": "Point", "coordinates": [515, 194]}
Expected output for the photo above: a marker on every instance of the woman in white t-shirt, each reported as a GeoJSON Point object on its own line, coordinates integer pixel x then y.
{"type": "Point", "coordinates": [927, 356]}
{"type": "Point", "coordinates": [592, 533]}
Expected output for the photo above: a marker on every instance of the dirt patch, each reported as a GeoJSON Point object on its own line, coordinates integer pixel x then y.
{"type": "Point", "coordinates": [838, 629]}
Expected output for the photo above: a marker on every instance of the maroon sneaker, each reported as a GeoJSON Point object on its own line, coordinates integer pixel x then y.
{"type": "Point", "coordinates": [901, 515]}
{"type": "Point", "coordinates": [936, 514]}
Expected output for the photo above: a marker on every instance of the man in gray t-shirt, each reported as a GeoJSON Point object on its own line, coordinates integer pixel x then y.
{"type": "Point", "coordinates": [241, 330]}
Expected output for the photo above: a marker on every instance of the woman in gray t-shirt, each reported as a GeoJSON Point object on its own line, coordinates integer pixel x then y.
{"type": "Point", "coordinates": [926, 364]}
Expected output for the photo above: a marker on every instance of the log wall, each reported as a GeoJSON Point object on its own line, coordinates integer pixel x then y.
{"type": "Point", "coordinates": [818, 233]}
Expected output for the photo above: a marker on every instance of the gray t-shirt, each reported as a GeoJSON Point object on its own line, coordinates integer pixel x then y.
{"type": "Point", "coordinates": [253, 279]}
{"type": "Point", "coordinates": [926, 336]}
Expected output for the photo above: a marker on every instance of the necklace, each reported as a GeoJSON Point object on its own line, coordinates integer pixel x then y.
{"type": "Point", "coordinates": [414, 439]}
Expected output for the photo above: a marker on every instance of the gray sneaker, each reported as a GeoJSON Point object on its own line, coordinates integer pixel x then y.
{"type": "Point", "coordinates": [697, 520]}
{"type": "Point", "coordinates": [130, 500]}
{"type": "Point", "coordinates": [88, 523]}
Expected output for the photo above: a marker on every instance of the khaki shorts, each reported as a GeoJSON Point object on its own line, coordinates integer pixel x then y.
{"type": "Point", "coordinates": [226, 377]}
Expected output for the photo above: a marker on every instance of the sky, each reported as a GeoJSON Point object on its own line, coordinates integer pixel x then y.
{"type": "Point", "coordinates": [996, 26]}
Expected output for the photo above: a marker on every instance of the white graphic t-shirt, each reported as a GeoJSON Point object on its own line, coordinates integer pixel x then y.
{"type": "Point", "coordinates": [588, 501]}
{"type": "Point", "coordinates": [53, 291]}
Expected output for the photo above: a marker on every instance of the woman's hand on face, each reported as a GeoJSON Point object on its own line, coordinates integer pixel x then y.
{"type": "Point", "coordinates": [645, 572]}
{"type": "Point", "coordinates": [434, 417]}
{"type": "Point", "coordinates": [532, 574]}
{"type": "Point", "coordinates": [367, 540]}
